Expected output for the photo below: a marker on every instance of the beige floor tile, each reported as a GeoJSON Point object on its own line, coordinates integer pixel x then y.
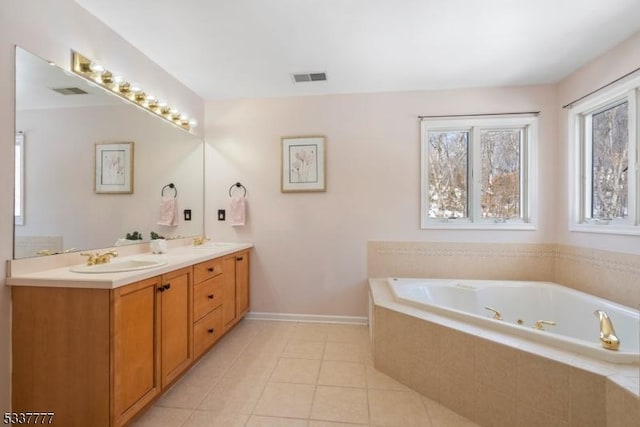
{"type": "Point", "coordinates": [345, 374]}
{"type": "Point", "coordinates": [158, 416]}
{"type": "Point", "coordinates": [265, 344]}
{"type": "Point", "coordinates": [311, 331]}
{"type": "Point", "coordinates": [442, 416]}
{"type": "Point", "coordinates": [233, 395]}
{"type": "Point", "coordinates": [252, 365]}
{"type": "Point", "coordinates": [341, 404]}
{"type": "Point", "coordinates": [397, 409]}
{"type": "Point", "coordinates": [260, 421]}
{"type": "Point", "coordinates": [378, 380]}
{"type": "Point", "coordinates": [344, 351]}
{"type": "Point", "coordinates": [357, 334]}
{"type": "Point", "coordinates": [188, 392]}
{"type": "Point", "coordinates": [214, 419]}
{"type": "Point", "coordinates": [301, 371]}
{"type": "Point", "coordinates": [303, 349]}
{"type": "Point", "coordinates": [285, 400]}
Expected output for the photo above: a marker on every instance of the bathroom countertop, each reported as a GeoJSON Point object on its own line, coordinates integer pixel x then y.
{"type": "Point", "coordinates": [175, 258]}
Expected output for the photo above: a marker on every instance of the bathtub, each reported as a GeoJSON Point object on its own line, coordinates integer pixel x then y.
{"type": "Point", "coordinates": [521, 304]}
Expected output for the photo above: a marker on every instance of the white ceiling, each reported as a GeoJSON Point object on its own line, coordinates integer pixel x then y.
{"type": "Point", "coordinates": [248, 48]}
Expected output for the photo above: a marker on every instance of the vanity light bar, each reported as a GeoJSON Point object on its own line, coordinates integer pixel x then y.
{"type": "Point", "coordinates": [104, 78]}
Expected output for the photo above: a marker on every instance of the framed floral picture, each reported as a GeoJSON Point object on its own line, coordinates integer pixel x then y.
{"type": "Point", "coordinates": [303, 164]}
{"type": "Point", "coordinates": [114, 168]}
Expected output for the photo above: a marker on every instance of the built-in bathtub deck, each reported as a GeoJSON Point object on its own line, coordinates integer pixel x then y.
{"type": "Point", "coordinates": [494, 378]}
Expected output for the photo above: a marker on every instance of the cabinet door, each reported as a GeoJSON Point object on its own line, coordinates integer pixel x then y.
{"type": "Point", "coordinates": [229, 290]}
{"type": "Point", "coordinates": [136, 357]}
{"type": "Point", "coordinates": [242, 283]}
{"type": "Point", "coordinates": [176, 326]}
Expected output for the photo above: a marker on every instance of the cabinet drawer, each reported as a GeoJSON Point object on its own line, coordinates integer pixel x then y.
{"type": "Point", "coordinates": [207, 270]}
{"type": "Point", "coordinates": [206, 331]}
{"type": "Point", "coordinates": [206, 296]}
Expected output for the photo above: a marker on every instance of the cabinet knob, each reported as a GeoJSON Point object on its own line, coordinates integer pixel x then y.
{"type": "Point", "coordinates": [211, 330]}
{"type": "Point", "coordinates": [210, 269]}
{"type": "Point", "coordinates": [160, 289]}
{"type": "Point", "coordinates": [210, 296]}
{"type": "Point", "coordinates": [167, 286]}
{"type": "Point", "coordinates": [239, 258]}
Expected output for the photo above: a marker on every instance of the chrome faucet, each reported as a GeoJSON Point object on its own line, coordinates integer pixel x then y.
{"type": "Point", "coordinates": [608, 337]}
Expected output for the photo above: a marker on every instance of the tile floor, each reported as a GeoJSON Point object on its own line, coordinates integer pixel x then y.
{"type": "Point", "coordinates": [288, 374]}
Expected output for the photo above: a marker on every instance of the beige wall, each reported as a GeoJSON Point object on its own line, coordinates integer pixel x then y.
{"type": "Point", "coordinates": [50, 29]}
{"type": "Point", "coordinates": [310, 252]}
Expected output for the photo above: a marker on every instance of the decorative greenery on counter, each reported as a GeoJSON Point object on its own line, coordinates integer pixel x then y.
{"type": "Point", "coordinates": [133, 236]}
{"type": "Point", "coordinates": [156, 236]}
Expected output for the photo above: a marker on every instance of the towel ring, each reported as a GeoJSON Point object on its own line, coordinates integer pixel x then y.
{"type": "Point", "coordinates": [237, 184]}
{"type": "Point", "coordinates": [171, 185]}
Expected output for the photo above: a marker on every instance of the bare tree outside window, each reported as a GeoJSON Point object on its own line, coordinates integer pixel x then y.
{"type": "Point", "coordinates": [500, 173]}
{"type": "Point", "coordinates": [610, 162]}
{"type": "Point", "coordinates": [448, 165]}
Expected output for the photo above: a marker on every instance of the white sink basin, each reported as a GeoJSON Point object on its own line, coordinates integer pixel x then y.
{"type": "Point", "coordinates": [119, 266]}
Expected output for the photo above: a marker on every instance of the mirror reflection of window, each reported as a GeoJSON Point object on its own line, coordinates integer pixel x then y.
{"type": "Point", "coordinates": [19, 180]}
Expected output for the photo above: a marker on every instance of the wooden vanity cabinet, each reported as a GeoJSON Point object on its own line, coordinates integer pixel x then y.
{"type": "Point", "coordinates": [236, 288]}
{"type": "Point", "coordinates": [176, 332]}
{"type": "Point", "coordinates": [136, 350]}
{"type": "Point", "coordinates": [207, 303]}
{"type": "Point", "coordinates": [96, 357]}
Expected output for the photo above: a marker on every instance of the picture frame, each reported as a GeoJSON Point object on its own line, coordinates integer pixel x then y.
{"type": "Point", "coordinates": [303, 166]}
{"type": "Point", "coordinates": [114, 168]}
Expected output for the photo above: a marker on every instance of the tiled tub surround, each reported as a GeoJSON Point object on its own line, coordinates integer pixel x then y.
{"type": "Point", "coordinates": [611, 275]}
{"type": "Point", "coordinates": [495, 379]}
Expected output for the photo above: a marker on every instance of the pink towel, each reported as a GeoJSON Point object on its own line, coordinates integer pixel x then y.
{"type": "Point", "coordinates": [237, 211]}
{"type": "Point", "coordinates": [168, 211]}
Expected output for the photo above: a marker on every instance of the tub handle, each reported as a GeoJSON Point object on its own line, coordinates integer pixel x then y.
{"type": "Point", "coordinates": [539, 324]}
{"type": "Point", "coordinates": [496, 313]}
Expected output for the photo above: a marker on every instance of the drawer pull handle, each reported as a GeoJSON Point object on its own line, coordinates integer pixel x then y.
{"type": "Point", "coordinates": [211, 330]}
{"type": "Point", "coordinates": [167, 286]}
{"type": "Point", "coordinates": [160, 289]}
{"type": "Point", "coordinates": [210, 296]}
{"type": "Point", "coordinates": [239, 258]}
{"type": "Point", "coordinates": [210, 269]}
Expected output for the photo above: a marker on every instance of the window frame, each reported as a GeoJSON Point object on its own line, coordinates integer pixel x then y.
{"type": "Point", "coordinates": [580, 162]}
{"type": "Point", "coordinates": [528, 123]}
{"type": "Point", "coordinates": [19, 179]}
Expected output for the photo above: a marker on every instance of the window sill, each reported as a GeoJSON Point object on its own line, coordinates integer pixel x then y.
{"type": "Point", "coordinates": [628, 230]}
{"type": "Point", "coordinates": [452, 225]}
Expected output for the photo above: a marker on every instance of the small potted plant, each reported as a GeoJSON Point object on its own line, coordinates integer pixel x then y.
{"type": "Point", "coordinates": [158, 243]}
{"type": "Point", "coordinates": [129, 239]}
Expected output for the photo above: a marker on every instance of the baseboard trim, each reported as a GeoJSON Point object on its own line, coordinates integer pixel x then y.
{"type": "Point", "coordinates": [316, 318]}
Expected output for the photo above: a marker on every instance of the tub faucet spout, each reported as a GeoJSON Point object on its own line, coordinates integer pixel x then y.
{"type": "Point", "coordinates": [608, 337]}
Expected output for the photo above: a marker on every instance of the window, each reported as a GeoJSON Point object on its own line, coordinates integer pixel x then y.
{"type": "Point", "coordinates": [19, 180]}
{"type": "Point", "coordinates": [605, 177]}
{"type": "Point", "coordinates": [477, 172]}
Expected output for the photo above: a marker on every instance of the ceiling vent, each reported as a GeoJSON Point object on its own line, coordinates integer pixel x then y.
{"type": "Point", "coordinates": [309, 77]}
{"type": "Point", "coordinates": [69, 91]}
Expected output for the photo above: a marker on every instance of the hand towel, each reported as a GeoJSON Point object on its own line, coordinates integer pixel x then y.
{"type": "Point", "coordinates": [168, 211]}
{"type": "Point", "coordinates": [237, 211]}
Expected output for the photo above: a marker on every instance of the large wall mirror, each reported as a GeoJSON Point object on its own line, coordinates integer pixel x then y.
{"type": "Point", "coordinates": [62, 121]}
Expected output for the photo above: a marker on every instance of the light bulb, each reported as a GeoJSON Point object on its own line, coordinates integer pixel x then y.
{"type": "Point", "coordinates": [96, 68]}
{"type": "Point", "coordinates": [193, 123]}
